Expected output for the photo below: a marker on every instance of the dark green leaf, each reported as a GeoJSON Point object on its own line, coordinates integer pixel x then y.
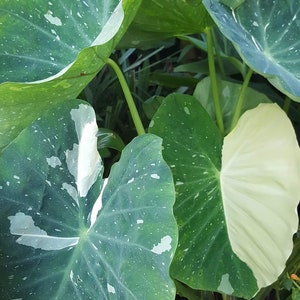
{"type": "Point", "coordinates": [192, 147]}
{"type": "Point", "coordinates": [60, 237]}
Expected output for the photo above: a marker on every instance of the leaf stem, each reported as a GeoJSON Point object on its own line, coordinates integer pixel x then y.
{"type": "Point", "coordinates": [240, 102]}
{"type": "Point", "coordinates": [129, 99]}
{"type": "Point", "coordinates": [213, 78]}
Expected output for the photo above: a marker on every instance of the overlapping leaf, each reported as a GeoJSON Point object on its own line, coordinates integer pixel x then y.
{"type": "Point", "coordinates": [267, 35]}
{"type": "Point", "coordinates": [159, 20]}
{"type": "Point", "coordinates": [60, 237]}
{"type": "Point", "coordinates": [229, 93]}
{"type": "Point", "coordinates": [56, 48]}
{"type": "Point", "coordinates": [230, 195]}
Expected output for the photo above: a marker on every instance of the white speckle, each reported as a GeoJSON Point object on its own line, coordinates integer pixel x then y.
{"type": "Point", "coordinates": [24, 278]}
{"type": "Point", "coordinates": [164, 245]}
{"type": "Point", "coordinates": [155, 176]}
{"type": "Point", "coordinates": [179, 183]}
{"type": "Point", "coordinates": [255, 24]}
{"type": "Point", "coordinates": [49, 183]}
{"type": "Point", "coordinates": [71, 191]}
{"type": "Point", "coordinates": [130, 180]}
{"type": "Point", "coordinates": [186, 110]}
{"type": "Point", "coordinates": [16, 177]}
{"type": "Point", "coordinates": [53, 20]}
{"type": "Point", "coordinates": [111, 289]}
{"type": "Point", "coordinates": [139, 221]}
{"type": "Point", "coordinates": [33, 236]}
{"type": "Point", "coordinates": [7, 183]}
{"type": "Point", "coordinates": [53, 161]}
{"type": "Point", "coordinates": [225, 285]}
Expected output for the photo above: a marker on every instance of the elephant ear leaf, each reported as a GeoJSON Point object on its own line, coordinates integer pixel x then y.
{"type": "Point", "coordinates": [50, 51]}
{"type": "Point", "coordinates": [236, 197]}
{"type": "Point", "coordinates": [66, 233]}
{"type": "Point", "coordinates": [266, 35]}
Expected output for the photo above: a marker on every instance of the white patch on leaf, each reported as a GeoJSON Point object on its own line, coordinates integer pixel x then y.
{"type": "Point", "coordinates": [33, 236]}
{"type": "Point", "coordinates": [111, 289]}
{"type": "Point", "coordinates": [225, 285]}
{"type": "Point", "coordinates": [53, 20]}
{"type": "Point", "coordinates": [163, 246]}
{"type": "Point", "coordinates": [53, 161]}
{"type": "Point", "coordinates": [71, 191]}
{"type": "Point", "coordinates": [83, 160]}
{"type": "Point", "coordinates": [260, 189]}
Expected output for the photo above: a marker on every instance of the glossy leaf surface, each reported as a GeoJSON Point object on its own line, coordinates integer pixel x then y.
{"type": "Point", "coordinates": [192, 147]}
{"type": "Point", "coordinates": [225, 190]}
{"type": "Point", "coordinates": [159, 20]}
{"type": "Point", "coordinates": [51, 50]}
{"type": "Point", "coordinates": [60, 237]}
{"type": "Point", "coordinates": [267, 35]}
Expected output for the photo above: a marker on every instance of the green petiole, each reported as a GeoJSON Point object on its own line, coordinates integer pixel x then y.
{"type": "Point", "coordinates": [130, 102]}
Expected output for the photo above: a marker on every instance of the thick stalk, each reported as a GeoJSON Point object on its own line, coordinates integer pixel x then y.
{"type": "Point", "coordinates": [130, 102]}
{"type": "Point", "coordinates": [240, 102]}
{"type": "Point", "coordinates": [213, 80]}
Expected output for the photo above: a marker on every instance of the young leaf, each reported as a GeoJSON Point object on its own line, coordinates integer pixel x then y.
{"type": "Point", "coordinates": [60, 237]}
{"type": "Point", "coordinates": [235, 199]}
{"type": "Point", "coordinates": [267, 35]}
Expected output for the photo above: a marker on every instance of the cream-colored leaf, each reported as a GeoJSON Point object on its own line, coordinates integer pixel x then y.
{"type": "Point", "coordinates": [260, 182]}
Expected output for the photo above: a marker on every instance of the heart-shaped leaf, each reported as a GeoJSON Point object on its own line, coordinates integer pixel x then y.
{"type": "Point", "coordinates": [267, 36]}
{"type": "Point", "coordinates": [212, 181]}
{"type": "Point", "coordinates": [56, 48]}
{"type": "Point", "coordinates": [60, 237]}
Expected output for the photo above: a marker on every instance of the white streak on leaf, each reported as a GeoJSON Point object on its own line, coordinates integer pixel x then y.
{"type": "Point", "coordinates": [83, 160]}
{"type": "Point", "coordinates": [98, 204]}
{"type": "Point", "coordinates": [33, 236]}
{"type": "Point", "coordinates": [164, 245]}
{"type": "Point", "coordinates": [111, 27]}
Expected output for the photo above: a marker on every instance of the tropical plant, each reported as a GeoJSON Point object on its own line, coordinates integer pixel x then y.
{"type": "Point", "coordinates": [202, 201]}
